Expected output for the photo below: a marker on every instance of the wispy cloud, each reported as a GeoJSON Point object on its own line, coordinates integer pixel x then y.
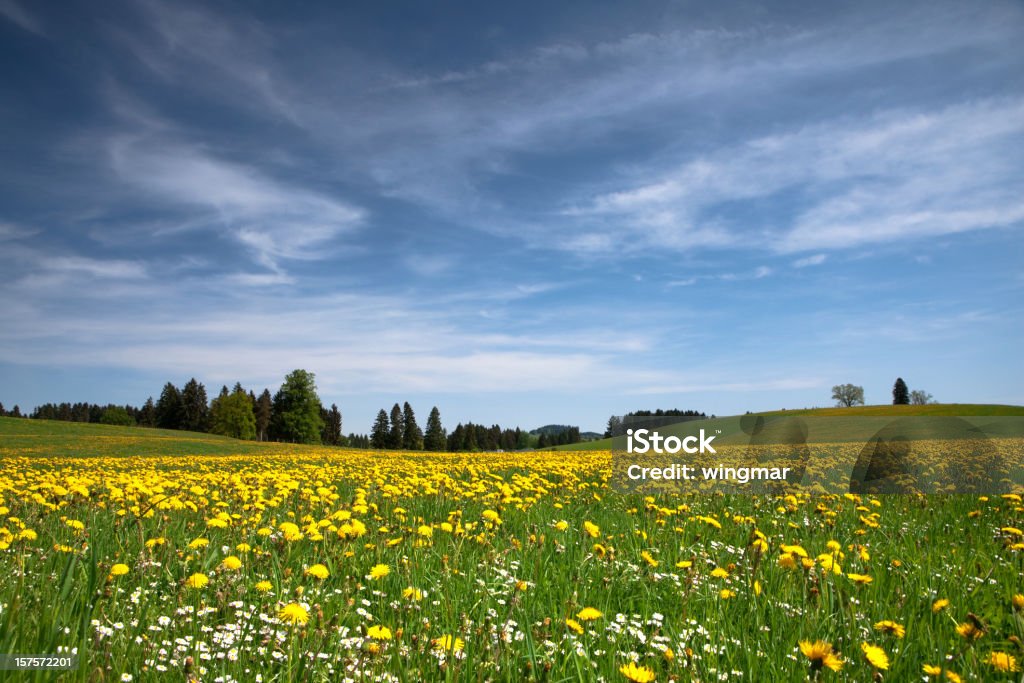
{"type": "Point", "coordinates": [814, 260]}
{"type": "Point", "coordinates": [14, 12]}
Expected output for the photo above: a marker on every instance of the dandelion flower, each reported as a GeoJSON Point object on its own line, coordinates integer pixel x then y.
{"type": "Point", "coordinates": [231, 563]}
{"type": "Point", "coordinates": [119, 570]}
{"type": "Point", "coordinates": [1018, 602]}
{"type": "Point", "coordinates": [562, 525]}
{"type": "Point", "coordinates": [592, 529]}
{"type": "Point", "coordinates": [197, 581]}
{"type": "Point", "coordinates": [264, 586]}
{"type": "Point", "coordinates": [968, 631]}
{"type": "Point", "coordinates": [574, 626]}
{"type": "Point", "coordinates": [379, 632]}
{"type": "Point", "coordinates": [199, 543]}
{"type": "Point", "coordinates": [892, 627]}
{"type": "Point", "coordinates": [414, 594]}
{"type": "Point", "coordinates": [725, 594]}
{"type": "Point", "coordinates": [379, 571]}
{"type": "Point", "coordinates": [875, 655]}
{"type": "Point", "coordinates": [1002, 661]}
{"type": "Point", "coordinates": [649, 559]}
{"type": "Point", "coordinates": [860, 579]}
{"type": "Point", "coordinates": [637, 674]}
{"type": "Point", "coordinates": [293, 613]}
{"type": "Point", "coordinates": [448, 643]}
{"type": "Point", "coordinates": [821, 655]}
{"type": "Point", "coordinates": [931, 670]}
{"type": "Point", "coordinates": [318, 571]}
{"type": "Point", "coordinates": [939, 605]}
{"type": "Point", "coordinates": [589, 614]}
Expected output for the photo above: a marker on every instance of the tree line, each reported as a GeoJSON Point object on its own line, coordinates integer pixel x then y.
{"type": "Point", "coordinates": [617, 424]}
{"type": "Point", "coordinates": [848, 395]}
{"type": "Point", "coordinates": [294, 414]}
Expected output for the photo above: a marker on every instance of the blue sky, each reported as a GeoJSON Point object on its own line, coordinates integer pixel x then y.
{"type": "Point", "coordinates": [522, 213]}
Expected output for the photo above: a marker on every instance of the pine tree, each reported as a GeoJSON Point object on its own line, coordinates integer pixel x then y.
{"type": "Point", "coordinates": [331, 434]}
{"type": "Point", "coordinates": [168, 408]}
{"type": "Point", "coordinates": [397, 434]}
{"type": "Point", "coordinates": [900, 393]}
{"type": "Point", "coordinates": [263, 411]}
{"type": "Point", "coordinates": [379, 434]}
{"type": "Point", "coordinates": [435, 439]}
{"type": "Point", "coordinates": [15, 411]}
{"type": "Point", "coordinates": [147, 416]}
{"type": "Point", "coordinates": [412, 439]}
{"type": "Point", "coordinates": [195, 412]}
{"type": "Point", "coordinates": [3, 413]}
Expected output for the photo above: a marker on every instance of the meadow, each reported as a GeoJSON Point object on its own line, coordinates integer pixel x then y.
{"type": "Point", "coordinates": [158, 555]}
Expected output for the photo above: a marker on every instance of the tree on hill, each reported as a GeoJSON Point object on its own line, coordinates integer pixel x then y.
{"type": "Point", "coordinates": [15, 411]}
{"type": "Point", "coordinates": [614, 427]}
{"type": "Point", "coordinates": [380, 431]}
{"type": "Point", "coordinates": [397, 434]}
{"type": "Point", "coordinates": [263, 411]}
{"type": "Point", "coordinates": [920, 398]}
{"type": "Point", "coordinates": [116, 415]}
{"type": "Point", "coordinates": [435, 438]}
{"type": "Point", "coordinates": [3, 413]}
{"type": "Point", "coordinates": [296, 409]}
{"type": "Point", "coordinates": [900, 393]}
{"type": "Point", "coordinates": [232, 415]}
{"type": "Point", "coordinates": [168, 408]}
{"type": "Point", "coordinates": [412, 439]}
{"type": "Point", "coordinates": [194, 408]}
{"type": "Point", "coordinates": [331, 435]}
{"type": "Point", "coordinates": [848, 395]}
{"type": "Point", "coordinates": [147, 416]}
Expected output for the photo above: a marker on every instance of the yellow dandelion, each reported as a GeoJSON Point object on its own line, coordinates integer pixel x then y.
{"type": "Point", "coordinates": [891, 627]}
{"type": "Point", "coordinates": [379, 571]}
{"type": "Point", "coordinates": [197, 581]}
{"type": "Point", "coordinates": [574, 625]}
{"type": "Point", "coordinates": [199, 543]}
{"type": "Point", "coordinates": [264, 586]}
{"type": "Point", "coordinates": [646, 556]}
{"type": "Point", "coordinates": [448, 643]}
{"type": "Point", "coordinates": [293, 613]}
{"type": "Point", "coordinates": [931, 670]}
{"type": "Point", "coordinates": [231, 563]}
{"type": "Point", "coordinates": [318, 571]}
{"type": "Point", "coordinates": [119, 570]}
{"type": "Point", "coordinates": [875, 655]}
{"type": "Point", "coordinates": [726, 594]}
{"type": "Point", "coordinates": [968, 631]}
{"type": "Point", "coordinates": [939, 605]}
{"type": "Point", "coordinates": [589, 614]}
{"type": "Point", "coordinates": [379, 632]}
{"type": "Point", "coordinates": [637, 674]}
{"type": "Point", "coordinates": [592, 529]}
{"type": "Point", "coordinates": [414, 594]}
{"type": "Point", "coordinates": [860, 579]}
{"type": "Point", "coordinates": [562, 525]}
{"type": "Point", "coordinates": [821, 655]}
{"type": "Point", "coordinates": [720, 573]}
{"type": "Point", "coordinates": [1018, 602]}
{"type": "Point", "coordinates": [1002, 661]}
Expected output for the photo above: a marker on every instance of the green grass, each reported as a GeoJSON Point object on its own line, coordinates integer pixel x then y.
{"type": "Point", "coordinates": [77, 439]}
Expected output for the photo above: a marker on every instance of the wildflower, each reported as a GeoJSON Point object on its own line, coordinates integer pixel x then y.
{"type": "Point", "coordinates": [1002, 661]}
{"type": "Point", "coordinates": [293, 613]}
{"type": "Point", "coordinates": [646, 556]}
{"type": "Point", "coordinates": [860, 579]}
{"type": "Point", "coordinates": [637, 674]}
{"type": "Point", "coordinates": [725, 594]}
{"type": "Point", "coordinates": [875, 655]}
{"type": "Point", "coordinates": [126, 678]}
{"type": "Point", "coordinates": [589, 614]}
{"type": "Point", "coordinates": [231, 563]}
{"type": "Point", "coordinates": [953, 677]}
{"type": "Point", "coordinates": [939, 605]}
{"type": "Point", "coordinates": [574, 625]}
{"type": "Point", "coordinates": [379, 571]}
{"type": "Point", "coordinates": [318, 571]}
{"type": "Point", "coordinates": [151, 543]}
{"type": "Point", "coordinates": [199, 543]}
{"type": "Point", "coordinates": [820, 653]}
{"type": "Point", "coordinates": [684, 564]}
{"type": "Point", "coordinates": [968, 631]}
{"type": "Point", "coordinates": [931, 670]}
{"type": "Point", "coordinates": [243, 547]}
{"type": "Point", "coordinates": [379, 632]}
{"type": "Point", "coordinates": [491, 516]}
{"type": "Point", "coordinates": [892, 627]}
{"type": "Point", "coordinates": [592, 529]}
{"type": "Point", "coordinates": [264, 586]}
{"type": "Point", "coordinates": [562, 525]}
{"type": "Point", "coordinates": [28, 535]}
{"type": "Point", "coordinates": [720, 573]}
{"type": "Point", "coordinates": [787, 561]}
{"type": "Point", "coordinates": [119, 570]}
{"type": "Point", "coordinates": [599, 550]}
{"type": "Point", "coordinates": [448, 643]}
{"type": "Point", "coordinates": [197, 581]}
{"type": "Point", "coordinates": [1018, 602]}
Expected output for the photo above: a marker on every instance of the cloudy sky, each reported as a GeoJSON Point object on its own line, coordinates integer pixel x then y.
{"type": "Point", "coordinates": [520, 213]}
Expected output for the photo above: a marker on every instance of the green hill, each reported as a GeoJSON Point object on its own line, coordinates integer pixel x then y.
{"type": "Point", "coordinates": [846, 430]}
{"type": "Point", "coordinates": [21, 436]}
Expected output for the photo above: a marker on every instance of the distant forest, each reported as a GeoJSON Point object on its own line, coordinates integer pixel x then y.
{"type": "Point", "coordinates": [295, 415]}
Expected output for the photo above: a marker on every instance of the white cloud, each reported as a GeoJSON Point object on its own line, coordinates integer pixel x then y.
{"type": "Point", "coordinates": [815, 260]}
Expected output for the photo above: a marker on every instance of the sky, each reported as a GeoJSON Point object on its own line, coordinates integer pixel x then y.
{"type": "Point", "coordinates": [522, 213]}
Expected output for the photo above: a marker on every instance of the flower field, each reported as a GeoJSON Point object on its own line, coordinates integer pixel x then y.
{"type": "Point", "coordinates": [316, 564]}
